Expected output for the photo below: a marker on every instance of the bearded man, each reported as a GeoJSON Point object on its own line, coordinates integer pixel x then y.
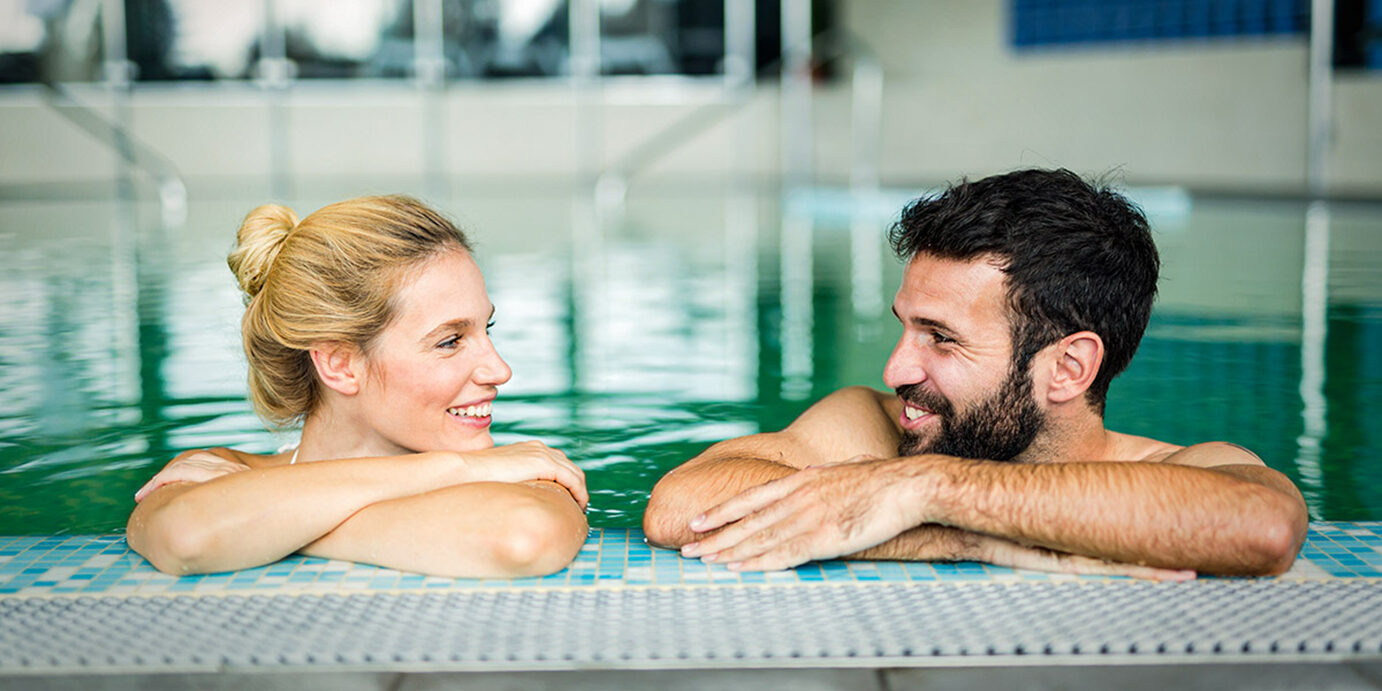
{"type": "Point", "coordinates": [1023, 296]}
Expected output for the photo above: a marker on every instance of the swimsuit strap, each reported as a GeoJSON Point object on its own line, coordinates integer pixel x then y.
{"type": "Point", "coordinates": [294, 459]}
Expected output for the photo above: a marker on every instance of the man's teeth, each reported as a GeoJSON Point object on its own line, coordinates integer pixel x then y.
{"type": "Point", "coordinates": [481, 410]}
{"type": "Point", "coordinates": [914, 413]}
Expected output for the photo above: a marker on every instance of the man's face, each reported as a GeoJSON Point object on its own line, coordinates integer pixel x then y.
{"type": "Point", "coordinates": [952, 367]}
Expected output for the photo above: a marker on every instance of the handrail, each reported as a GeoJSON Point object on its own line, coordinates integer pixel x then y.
{"type": "Point", "coordinates": [172, 192]}
{"type": "Point", "coordinates": [866, 80]}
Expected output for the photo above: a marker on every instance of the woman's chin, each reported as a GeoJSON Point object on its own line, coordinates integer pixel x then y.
{"type": "Point", "coordinates": [475, 442]}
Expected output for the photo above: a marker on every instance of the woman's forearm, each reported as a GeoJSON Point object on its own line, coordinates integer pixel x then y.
{"type": "Point", "coordinates": [256, 516]}
{"type": "Point", "coordinates": [482, 529]}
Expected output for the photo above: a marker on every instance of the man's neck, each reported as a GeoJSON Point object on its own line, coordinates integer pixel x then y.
{"type": "Point", "coordinates": [1069, 438]}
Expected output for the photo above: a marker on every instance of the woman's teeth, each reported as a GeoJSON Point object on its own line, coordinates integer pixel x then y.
{"type": "Point", "coordinates": [481, 410]}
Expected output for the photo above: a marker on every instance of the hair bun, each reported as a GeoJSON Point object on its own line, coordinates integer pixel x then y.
{"type": "Point", "coordinates": [261, 236]}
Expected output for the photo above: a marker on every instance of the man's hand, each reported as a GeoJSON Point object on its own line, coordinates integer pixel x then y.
{"type": "Point", "coordinates": [820, 512]}
{"type": "Point", "coordinates": [842, 509]}
{"type": "Point", "coordinates": [190, 466]}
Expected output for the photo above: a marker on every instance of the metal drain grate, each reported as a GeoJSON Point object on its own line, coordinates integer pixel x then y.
{"type": "Point", "coordinates": [893, 624]}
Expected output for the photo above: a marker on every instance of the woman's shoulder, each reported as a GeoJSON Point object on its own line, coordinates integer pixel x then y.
{"type": "Point", "coordinates": [253, 460]}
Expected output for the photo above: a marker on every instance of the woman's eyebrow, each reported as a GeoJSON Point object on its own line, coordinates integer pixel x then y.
{"type": "Point", "coordinates": [444, 327]}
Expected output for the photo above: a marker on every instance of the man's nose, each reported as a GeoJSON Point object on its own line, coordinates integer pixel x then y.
{"type": "Point", "coordinates": [904, 366]}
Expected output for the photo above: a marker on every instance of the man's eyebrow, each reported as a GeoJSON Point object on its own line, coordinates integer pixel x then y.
{"type": "Point", "coordinates": [924, 321]}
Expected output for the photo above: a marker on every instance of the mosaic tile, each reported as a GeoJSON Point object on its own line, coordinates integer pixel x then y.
{"type": "Point", "coordinates": [612, 557]}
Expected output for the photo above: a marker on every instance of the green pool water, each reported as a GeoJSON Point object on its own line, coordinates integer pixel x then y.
{"type": "Point", "coordinates": [639, 336]}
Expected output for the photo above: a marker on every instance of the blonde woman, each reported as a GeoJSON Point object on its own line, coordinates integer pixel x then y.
{"type": "Point", "coordinates": [367, 323]}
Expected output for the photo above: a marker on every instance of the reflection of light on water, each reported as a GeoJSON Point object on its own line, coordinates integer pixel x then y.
{"type": "Point", "coordinates": [796, 285]}
{"type": "Point", "coordinates": [529, 295]}
{"type": "Point", "coordinates": [1314, 288]}
{"type": "Point", "coordinates": [866, 266]}
{"type": "Point", "coordinates": [741, 288]}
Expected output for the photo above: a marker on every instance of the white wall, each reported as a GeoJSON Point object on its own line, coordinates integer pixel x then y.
{"type": "Point", "coordinates": [1224, 115]}
{"type": "Point", "coordinates": [1219, 114]}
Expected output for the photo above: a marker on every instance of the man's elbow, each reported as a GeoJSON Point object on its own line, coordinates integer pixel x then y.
{"type": "Point", "coordinates": [664, 519]}
{"type": "Point", "coordinates": [1281, 537]}
{"type": "Point", "coordinates": [544, 540]}
{"type": "Point", "coordinates": [1276, 538]}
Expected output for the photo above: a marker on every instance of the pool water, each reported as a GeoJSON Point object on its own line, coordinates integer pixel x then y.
{"type": "Point", "coordinates": [641, 335]}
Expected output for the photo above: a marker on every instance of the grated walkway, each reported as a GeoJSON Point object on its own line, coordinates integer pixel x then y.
{"type": "Point", "coordinates": [88, 604]}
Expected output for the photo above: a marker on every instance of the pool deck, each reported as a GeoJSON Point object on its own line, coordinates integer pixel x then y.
{"type": "Point", "coordinates": [75, 606]}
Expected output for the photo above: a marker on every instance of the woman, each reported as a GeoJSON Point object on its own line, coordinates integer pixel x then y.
{"type": "Point", "coordinates": [367, 322]}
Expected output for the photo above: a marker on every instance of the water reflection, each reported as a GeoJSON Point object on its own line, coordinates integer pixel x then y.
{"type": "Point", "coordinates": [637, 339]}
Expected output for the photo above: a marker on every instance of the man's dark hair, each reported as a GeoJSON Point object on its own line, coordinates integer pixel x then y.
{"type": "Point", "coordinates": [1077, 257]}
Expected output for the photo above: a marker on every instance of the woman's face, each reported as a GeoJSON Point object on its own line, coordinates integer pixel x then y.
{"type": "Point", "coordinates": [433, 371]}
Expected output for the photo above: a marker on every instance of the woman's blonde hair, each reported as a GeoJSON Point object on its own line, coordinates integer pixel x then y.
{"type": "Point", "coordinates": [330, 277]}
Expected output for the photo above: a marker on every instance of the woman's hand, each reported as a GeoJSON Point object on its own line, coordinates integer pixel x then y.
{"type": "Point", "coordinates": [198, 465]}
{"type": "Point", "coordinates": [524, 462]}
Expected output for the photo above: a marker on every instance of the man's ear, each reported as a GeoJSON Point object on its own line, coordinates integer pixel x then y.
{"type": "Point", "coordinates": [1077, 360]}
{"type": "Point", "coordinates": [339, 365]}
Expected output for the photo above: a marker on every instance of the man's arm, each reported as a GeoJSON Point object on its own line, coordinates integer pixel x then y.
{"type": "Point", "coordinates": [847, 423]}
{"type": "Point", "coordinates": [1210, 507]}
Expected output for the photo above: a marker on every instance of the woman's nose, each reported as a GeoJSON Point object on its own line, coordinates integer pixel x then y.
{"type": "Point", "coordinates": [494, 371]}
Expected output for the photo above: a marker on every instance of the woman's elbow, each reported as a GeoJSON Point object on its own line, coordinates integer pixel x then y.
{"type": "Point", "coordinates": [544, 539]}
{"type": "Point", "coordinates": [174, 550]}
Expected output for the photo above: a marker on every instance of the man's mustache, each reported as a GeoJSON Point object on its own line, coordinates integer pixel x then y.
{"type": "Point", "coordinates": [919, 396]}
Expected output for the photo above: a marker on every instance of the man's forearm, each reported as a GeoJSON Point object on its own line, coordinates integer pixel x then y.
{"type": "Point", "coordinates": [689, 490]}
{"type": "Point", "coordinates": [1238, 520]}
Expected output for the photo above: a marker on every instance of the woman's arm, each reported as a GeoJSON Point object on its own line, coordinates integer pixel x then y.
{"type": "Point", "coordinates": [482, 529]}
{"type": "Point", "coordinates": [256, 516]}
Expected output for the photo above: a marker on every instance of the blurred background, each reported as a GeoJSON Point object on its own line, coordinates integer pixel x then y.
{"type": "Point", "coordinates": [680, 207]}
{"type": "Point", "coordinates": [1222, 95]}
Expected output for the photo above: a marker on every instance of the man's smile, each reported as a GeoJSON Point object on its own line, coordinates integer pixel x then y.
{"type": "Point", "coordinates": [914, 416]}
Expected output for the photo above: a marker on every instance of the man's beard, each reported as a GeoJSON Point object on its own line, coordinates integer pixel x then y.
{"type": "Point", "coordinates": [997, 428]}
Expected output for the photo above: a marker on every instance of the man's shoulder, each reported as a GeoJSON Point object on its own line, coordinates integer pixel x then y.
{"type": "Point", "coordinates": [852, 421]}
{"type": "Point", "coordinates": [857, 403]}
{"type": "Point", "coordinates": [1203, 454]}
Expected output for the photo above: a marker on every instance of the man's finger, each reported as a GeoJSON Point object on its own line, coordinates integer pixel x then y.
{"type": "Point", "coordinates": [734, 533]}
{"type": "Point", "coordinates": [743, 504]}
{"type": "Point", "coordinates": [788, 537]}
{"type": "Point", "coordinates": [1047, 560]}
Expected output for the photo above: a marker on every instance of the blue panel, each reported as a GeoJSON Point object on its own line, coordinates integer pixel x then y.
{"type": "Point", "coordinates": [1060, 22]}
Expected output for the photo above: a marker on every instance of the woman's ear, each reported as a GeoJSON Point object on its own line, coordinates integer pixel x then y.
{"type": "Point", "coordinates": [340, 366]}
{"type": "Point", "coordinates": [1077, 361]}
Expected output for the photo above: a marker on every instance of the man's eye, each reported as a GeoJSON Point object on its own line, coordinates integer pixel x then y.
{"type": "Point", "coordinates": [941, 338]}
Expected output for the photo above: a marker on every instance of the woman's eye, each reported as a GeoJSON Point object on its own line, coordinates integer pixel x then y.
{"type": "Point", "coordinates": [489, 326]}
{"type": "Point", "coordinates": [450, 343]}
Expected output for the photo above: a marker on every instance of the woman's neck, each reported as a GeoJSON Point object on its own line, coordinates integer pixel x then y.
{"type": "Point", "coordinates": [330, 433]}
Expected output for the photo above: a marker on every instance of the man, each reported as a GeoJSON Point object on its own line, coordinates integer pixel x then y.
{"type": "Point", "coordinates": [1023, 296]}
